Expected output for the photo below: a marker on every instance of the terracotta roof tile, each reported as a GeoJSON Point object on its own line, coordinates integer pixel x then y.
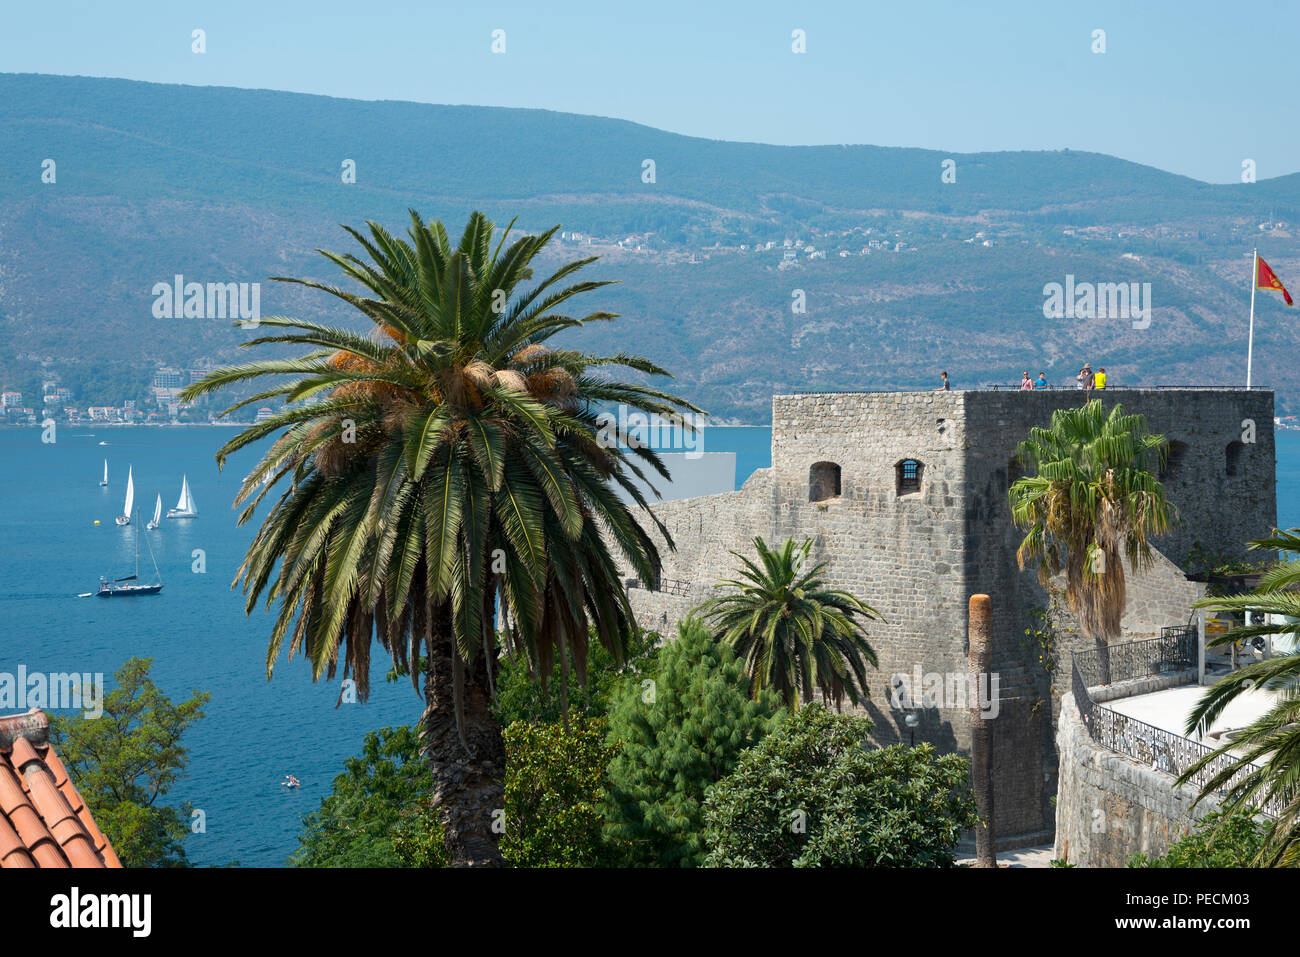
{"type": "Point", "coordinates": [43, 820]}
{"type": "Point", "coordinates": [73, 797]}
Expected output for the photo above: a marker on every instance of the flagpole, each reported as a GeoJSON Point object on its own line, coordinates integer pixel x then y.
{"type": "Point", "coordinates": [1254, 281]}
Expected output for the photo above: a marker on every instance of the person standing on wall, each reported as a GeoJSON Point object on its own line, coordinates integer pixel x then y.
{"type": "Point", "coordinates": [1042, 381]}
{"type": "Point", "coordinates": [1026, 383]}
{"type": "Point", "coordinates": [1099, 380]}
{"type": "Point", "coordinates": [1085, 377]}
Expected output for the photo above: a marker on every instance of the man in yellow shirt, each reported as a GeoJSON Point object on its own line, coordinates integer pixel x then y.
{"type": "Point", "coordinates": [1099, 380]}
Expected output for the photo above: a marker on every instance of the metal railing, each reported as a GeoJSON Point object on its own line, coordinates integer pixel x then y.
{"type": "Point", "coordinates": [1052, 387]}
{"type": "Point", "coordinates": [1153, 747]}
{"type": "Point", "coordinates": [667, 586]}
{"type": "Point", "coordinates": [1174, 650]}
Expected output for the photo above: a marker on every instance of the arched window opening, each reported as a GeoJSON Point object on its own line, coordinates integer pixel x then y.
{"type": "Point", "coordinates": [1173, 461]}
{"type": "Point", "coordinates": [1015, 470]}
{"type": "Point", "coordinates": [1232, 457]}
{"type": "Point", "coordinates": [823, 481]}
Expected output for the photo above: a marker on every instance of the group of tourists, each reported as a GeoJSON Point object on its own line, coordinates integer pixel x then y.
{"type": "Point", "coordinates": [1086, 379]}
{"type": "Point", "coordinates": [1089, 380]}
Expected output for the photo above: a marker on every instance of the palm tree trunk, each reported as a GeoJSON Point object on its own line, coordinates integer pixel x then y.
{"type": "Point", "coordinates": [468, 772]}
{"type": "Point", "coordinates": [1103, 659]}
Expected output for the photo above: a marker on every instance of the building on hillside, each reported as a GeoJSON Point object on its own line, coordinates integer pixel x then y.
{"type": "Point", "coordinates": [905, 496]}
{"type": "Point", "coordinates": [169, 378]}
{"type": "Point", "coordinates": [11, 400]}
{"type": "Point", "coordinates": [43, 820]}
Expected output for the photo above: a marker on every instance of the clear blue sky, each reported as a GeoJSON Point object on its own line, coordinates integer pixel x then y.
{"type": "Point", "coordinates": [1191, 87]}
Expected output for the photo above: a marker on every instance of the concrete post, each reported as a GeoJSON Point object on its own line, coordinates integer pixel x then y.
{"type": "Point", "coordinates": [1200, 646]}
{"type": "Point", "coordinates": [979, 652]}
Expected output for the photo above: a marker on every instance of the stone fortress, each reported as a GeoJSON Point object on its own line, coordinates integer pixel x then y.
{"type": "Point", "coordinates": [904, 494]}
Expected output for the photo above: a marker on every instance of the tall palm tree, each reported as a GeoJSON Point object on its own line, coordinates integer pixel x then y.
{"type": "Point", "coordinates": [1263, 759]}
{"type": "Point", "coordinates": [793, 633]}
{"type": "Point", "coordinates": [449, 466]}
{"type": "Point", "coordinates": [1093, 497]}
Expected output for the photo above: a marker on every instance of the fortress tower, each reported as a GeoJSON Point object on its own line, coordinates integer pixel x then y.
{"type": "Point", "coordinates": [905, 495]}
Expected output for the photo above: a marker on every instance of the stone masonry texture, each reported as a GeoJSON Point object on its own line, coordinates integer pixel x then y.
{"type": "Point", "coordinates": [916, 557]}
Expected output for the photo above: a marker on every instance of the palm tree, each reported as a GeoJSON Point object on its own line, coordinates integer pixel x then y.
{"type": "Point", "coordinates": [792, 632]}
{"type": "Point", "coordinates": [1092, 498]}
{"type": "Point", "coordinates": [448, 467]}
{"type": "Point", "coordinates": [1262, 760]}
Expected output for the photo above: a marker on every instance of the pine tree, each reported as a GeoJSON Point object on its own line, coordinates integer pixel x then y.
{"type": "Point", "coordinates": [676, 737]}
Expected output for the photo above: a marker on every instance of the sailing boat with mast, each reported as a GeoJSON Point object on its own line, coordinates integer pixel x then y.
{"type": "Point", "coordinates": [125, 517]}
{"type": "Point", "coordinates": [185, 507]}
{"type": "Point", "coordinates": [157, 515]}
{"type": "Point", "coordinates": [104, 482]}
{"type": "Point", "coordinates": [130, 585]}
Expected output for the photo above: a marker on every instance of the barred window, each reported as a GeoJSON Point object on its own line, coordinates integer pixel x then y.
{"type": "Point", "coordinates": [909, 476]}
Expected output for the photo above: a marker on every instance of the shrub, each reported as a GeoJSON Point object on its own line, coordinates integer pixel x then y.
{"type": "Point", "coordinates": [521, 697]}
{"type": "Point", "coordinates": [674, 740]}
{"type": "Point", "coordinates": [812, 795]}
{"type": "Point", "coordinates": [378, 813]}
{"type": "Point", "coordinates": [553, 794]}
{"type": "Point", "coordinates": [1217, 840]}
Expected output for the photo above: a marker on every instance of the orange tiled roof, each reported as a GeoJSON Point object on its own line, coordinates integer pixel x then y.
{"type": "Point", "coordinates": [43, 820]}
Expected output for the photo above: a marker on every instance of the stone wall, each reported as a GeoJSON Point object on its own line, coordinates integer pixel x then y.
{"type": "Point", "coordinates": [1109, 807]}
{"type": "Point", "coordinates": [1220, 510]}
{"type": "Point", "coordinates": [917, 556]}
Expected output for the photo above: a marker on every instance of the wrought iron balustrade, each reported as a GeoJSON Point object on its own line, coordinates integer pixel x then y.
{"type": "Point", "coordinates": [1150, 746]}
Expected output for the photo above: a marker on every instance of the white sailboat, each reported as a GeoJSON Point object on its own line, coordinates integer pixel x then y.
{"type": "Point", "coordinates": [185, 507]}
{"type": "Point", "coordinates": [105, 481]}
{"type": "Point", "coordinates": [125, 517]}
{"type": "Point", "coordinates": [157, 514]}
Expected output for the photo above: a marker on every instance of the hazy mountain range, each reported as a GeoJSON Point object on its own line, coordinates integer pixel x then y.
{"type": "Point", "coordinates": [224, 185]}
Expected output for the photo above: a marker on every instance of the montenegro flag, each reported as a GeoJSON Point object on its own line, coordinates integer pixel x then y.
{"type": "Point", "coordinates": [1265, 278]}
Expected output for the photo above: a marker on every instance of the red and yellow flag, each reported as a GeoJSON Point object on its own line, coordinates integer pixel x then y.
{"type": "Point", "coordinates": [1265, 278]}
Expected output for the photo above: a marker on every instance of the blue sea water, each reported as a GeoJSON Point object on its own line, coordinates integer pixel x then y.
{"type": "Point", "coordinates": [196, 632]}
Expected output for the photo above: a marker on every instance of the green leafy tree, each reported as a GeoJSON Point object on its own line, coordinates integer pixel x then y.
{"type": "Point", "coordinates": [375, 815]}
{"type": "Point", "coordinates": [555, 780]}
{"type": "Point", "coordinates": [675, 738]}
{"type": "Point", "coordinates": [793, 633]}
{"type": "Point", "coordinates": [418, 839]}
{"type": "Point", "coordinates": [1220, 839]}
{"type": "Point", "coordinates": [812, 794]}
{"type": "Point", "coordinates": [448, 466]}
{"type": "Point", "coordinates": [125, 760]}
{"type": "Point", "coordinates": [521, 697]}
{"type": "Point", "coordinates": [1093, 496]}
{"type": "Point", "coordinates": [1263, 759]}
{"type": "Point", "coordinates": [1208, 564]}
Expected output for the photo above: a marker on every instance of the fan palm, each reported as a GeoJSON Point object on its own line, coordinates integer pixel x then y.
{"type": "Point", "coordinates": [448, 467]}
{"type": "Point", "coordinates": [1094, 497]}
{"type": "Point", "coordinates": [1262, 760]}
{"type": "Point", "coordinates": [793, 633]}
